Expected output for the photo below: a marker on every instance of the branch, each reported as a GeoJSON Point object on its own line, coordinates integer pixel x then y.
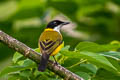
{"type": "Point", "coordinates": [31, 54]}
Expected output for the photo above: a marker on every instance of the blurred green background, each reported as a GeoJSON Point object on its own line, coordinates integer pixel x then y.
{"type": "Point", "coordinates": [92, 20]}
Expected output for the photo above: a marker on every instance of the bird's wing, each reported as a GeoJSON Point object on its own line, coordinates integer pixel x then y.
{"type": "Point", "coordinates": [49, 41]}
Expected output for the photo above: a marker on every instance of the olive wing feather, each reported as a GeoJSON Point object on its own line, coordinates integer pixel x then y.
{"type": "Point", "coordinates": [49, 41]}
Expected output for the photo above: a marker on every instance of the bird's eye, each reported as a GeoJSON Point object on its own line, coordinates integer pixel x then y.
{"type": "Point", "coordinates": [55, 23]}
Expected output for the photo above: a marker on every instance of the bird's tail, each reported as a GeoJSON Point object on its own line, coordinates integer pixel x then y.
{"type": "Point", "coordinates": [43, 62]}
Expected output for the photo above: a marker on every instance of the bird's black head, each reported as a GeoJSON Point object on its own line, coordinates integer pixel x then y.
{"type": "Point", "coordinates": [56, 23]}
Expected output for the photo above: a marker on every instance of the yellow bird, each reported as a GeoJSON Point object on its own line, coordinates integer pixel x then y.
{"type": "Point", "coordinates": [50, 42]}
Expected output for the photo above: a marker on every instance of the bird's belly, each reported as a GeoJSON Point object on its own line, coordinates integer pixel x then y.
{"type": "Point", "coordinates": [57, 49]}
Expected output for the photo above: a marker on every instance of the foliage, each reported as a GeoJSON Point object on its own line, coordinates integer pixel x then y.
{"type": "Point", "coordinates": [98, 19]}
{"type": "Point", "coordinates": [99, 64]}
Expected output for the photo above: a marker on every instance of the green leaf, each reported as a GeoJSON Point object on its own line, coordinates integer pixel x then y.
{"type": "Point", "coordinates": [84, 75]}
{"type": "Point", "coordinates": [93, 47]}
{"type": "Point", "coordinates": [87, 46]}
{"type": "Point", "coordinates": [29, 62]}
{"type": "Point", "coordinates": [112, 54]}
{"type": "Point", "coordinates": [102, 74]}
{"type": "Point", "coordinates": [13, 77]}
{"type": "Point", "coordinates": [114, 63]}
{"type": "Point", "coordinates": [25, 73]}
{"type": "Point", "coordinates": [43, 77]}
{"type": "Point", "coordinates": [113, 57]}
{"type": "Point", "coordinates": [16, 57]}
{"type": "Point", "coordinates": [37, 50]}
{"type": "Point", "coordinates": [66, 48]}
{"type": "Point", "coordinates": [70, 61]}
{"type": "Point", "coordinates": [11, 69]}
{"type": "Point", "coordinates": [27, 65]}
{"type": "Point", "coordinates": [16, 76]}
{"type": "Point", "coordinates": [89, 67]}
{"type": "Point", "coordinates": [94, 58]}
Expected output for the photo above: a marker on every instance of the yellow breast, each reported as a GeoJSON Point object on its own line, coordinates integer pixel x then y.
{"type": "Point", "coordinates": [57, 49]}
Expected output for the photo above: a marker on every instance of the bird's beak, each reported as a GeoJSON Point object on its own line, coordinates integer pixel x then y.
{"type": "Point", "coordinates": [65, 23]}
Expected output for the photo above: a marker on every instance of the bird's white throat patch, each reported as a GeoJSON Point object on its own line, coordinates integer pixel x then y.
{"type": "Point", "coordinates": [57, 28]}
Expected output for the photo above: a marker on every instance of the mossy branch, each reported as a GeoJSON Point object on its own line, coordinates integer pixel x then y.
{"type": "Point", "coordinates": [31, 54]}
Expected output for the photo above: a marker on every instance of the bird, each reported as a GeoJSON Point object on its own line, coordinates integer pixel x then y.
{"type": "Point", "coordinates": [50, 42]}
